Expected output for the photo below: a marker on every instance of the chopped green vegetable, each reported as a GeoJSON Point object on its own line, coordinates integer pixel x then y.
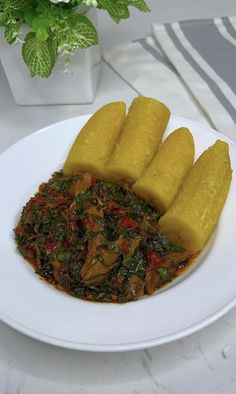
{"type": "Point", "coordinates": [164, 274]}
{"type": "Point", "coordinates": [101, 245]}
{"type": "Point", "coordinates": [64, 256]}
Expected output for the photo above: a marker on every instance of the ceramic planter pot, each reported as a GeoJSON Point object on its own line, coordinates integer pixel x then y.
{"type": "Point", "coordinates": [78, 86]}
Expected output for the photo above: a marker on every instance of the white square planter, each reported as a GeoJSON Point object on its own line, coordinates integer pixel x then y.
{"type": "Point", "coordinates": [78, 86]}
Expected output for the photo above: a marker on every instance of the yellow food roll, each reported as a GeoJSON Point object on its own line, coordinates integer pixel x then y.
{"type": "Point", "coordinates": [96, 140]}
{"type": "Point", "coordinates": [162, 179]}
{"type": "Point", "coordinates": [142, 131]}
{"type": "Point", "coordinates": [195, 212]}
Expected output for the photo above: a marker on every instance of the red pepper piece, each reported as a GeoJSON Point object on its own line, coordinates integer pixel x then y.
{"type": "Point", "coordinates": [125, 246]}
{"type": "Point", "coordinates": [121, 213]}
{"type": "Point", "coordinates": [153, 259]}
{"type": "Point", "coordinates": [19, 230]}
{"type": "Point", "coordinates": [74, 227]}
{"type": "Point", "coordinates": [112, 205]}
{"type": "Point", "coordinates": [52, 192]}
{"type": "Point", "coordinates": [93, 182]}
{"type": "Point", "coordinates": [37, 199]}
{"type": "Point", "coordinates": [118, 282]}
{"type": "Point", "coordinates": [49, 246]}
{"type": "Point", "coordinates": [129, 223]}
{"type": "Point", "coordinates": [61, 199]}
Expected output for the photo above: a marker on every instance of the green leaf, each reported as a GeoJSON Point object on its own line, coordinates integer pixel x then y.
{"type": "Point", "coordinates": [86, 32]}
{"type": "Point", "coordinates": [139, 4]}
{"type": "Point", "coordinates": [52, 52]}
{"type": "Point", "coordinates": [19, 4]}
{"type": "Point", "coordinates": [29, 16]}
{"type": "Point", "coordinates": [40, 23]}
{"type": "Point", "coordinates": [38, 56]}
{"type": "Point", "coordinates": [42, 34]}
{"type": "Point", "coordinates": [80, 33]}
{"type": "Point", "coordinates": [11, 33]}
{"type": "Point", "coordinates": [3, 19]}
{"type": "Point", "coordinates": [117, 9]}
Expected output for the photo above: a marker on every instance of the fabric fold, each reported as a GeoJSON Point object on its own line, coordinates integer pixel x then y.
{"type": "Point", "coordinates": [142, 65]}
{"type": "Point", "coordinates": [204, 54]}
{"type": "Point", "coordinates": [189, 65]}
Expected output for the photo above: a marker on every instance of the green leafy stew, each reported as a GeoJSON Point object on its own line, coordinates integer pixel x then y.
{"type": "Point", "coordinates": [96, 240]}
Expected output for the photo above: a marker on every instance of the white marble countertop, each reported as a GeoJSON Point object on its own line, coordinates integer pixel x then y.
{"type": "Point", "coordinates": [201, 363]}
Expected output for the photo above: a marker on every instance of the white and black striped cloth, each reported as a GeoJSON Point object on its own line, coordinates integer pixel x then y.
{"type": "Point", "coordinates": [190, 65]}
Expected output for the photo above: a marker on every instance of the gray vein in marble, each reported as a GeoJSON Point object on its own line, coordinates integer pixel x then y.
{"type": "Point", "coordinates": [226, 352]}
{"type": "Point", "coordinates": [184, 356]}
{"type": "Point", "coordinates": [168, 389]}
{"type": "Point", "coordinates": [19, 388]}
{"type": "Point", "coordinates": [7, 384]}
{"type": "Point", "coordinates": [233, 381]}
{"type": "Point", "coordinates": [148, 354]}
{"type": "Point", "coordinates": [204, 357]}
{"type": "Point", "coordinates": [149, 372]}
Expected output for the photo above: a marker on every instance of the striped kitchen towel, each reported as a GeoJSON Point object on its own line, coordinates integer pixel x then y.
{"type": "Point", "coordinates": [192, 61]}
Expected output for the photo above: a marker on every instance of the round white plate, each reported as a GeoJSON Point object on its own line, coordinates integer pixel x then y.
{"type": "Point", "coordinates": [36, 309]}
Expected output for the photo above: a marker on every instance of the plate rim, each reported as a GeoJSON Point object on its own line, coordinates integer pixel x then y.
{"type": "Point", "coordinates": [143, 344]}
{"type": "Point", "coordinates": [131, 346]}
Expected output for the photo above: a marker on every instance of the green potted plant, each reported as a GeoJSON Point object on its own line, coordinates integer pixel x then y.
{"type": "Point", "coordinates": [41, 39]}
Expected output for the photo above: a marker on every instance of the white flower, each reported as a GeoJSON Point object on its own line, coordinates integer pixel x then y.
{"type": "Point", "coordinates": [89, 3]}
{"type": "Point", "coordinates": [59, 1]}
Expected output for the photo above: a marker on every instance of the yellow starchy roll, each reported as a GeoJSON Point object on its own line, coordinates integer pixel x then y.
{"type": "Point", "coordinates": [96, 140]}
{"type": "Point", "coordinates": [196, 210]}
{"type": "Point", "coordinates": [142, 131]}
{"type": "Point", "coordinates": [162, 179]}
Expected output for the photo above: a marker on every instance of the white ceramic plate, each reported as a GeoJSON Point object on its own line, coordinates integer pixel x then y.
{"type": "Point", "coordinates": [36, 309]}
